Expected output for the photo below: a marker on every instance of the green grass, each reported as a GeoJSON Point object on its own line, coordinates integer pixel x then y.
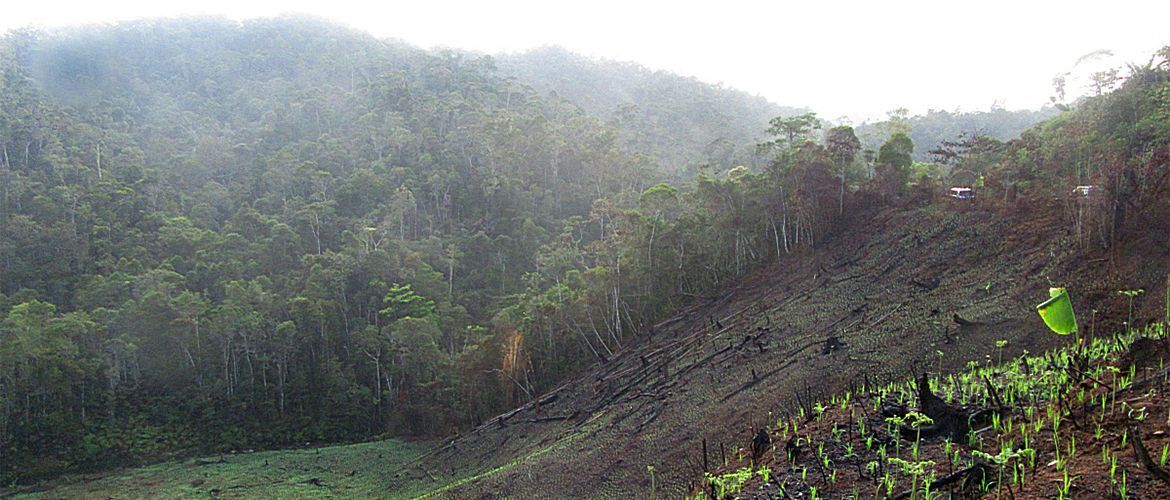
{"type": "Point", "coordinates": [377, 469]}
{"type": "Point", "coordinates": [510, 465]}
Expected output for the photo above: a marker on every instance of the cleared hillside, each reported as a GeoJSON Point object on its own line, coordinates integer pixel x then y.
{"type": "Point", "coordinates": [887, 290]}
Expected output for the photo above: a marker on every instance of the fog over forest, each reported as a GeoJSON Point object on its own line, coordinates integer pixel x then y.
{"type": "Point", "coordinates": [219, 237]}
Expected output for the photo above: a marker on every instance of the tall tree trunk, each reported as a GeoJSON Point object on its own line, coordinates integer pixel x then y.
{"type": "Point", "coordinates": [775, 235]}
{"type": "Point", "coordinates": [281, 378]}
{"type": "Point", "coordinates": [841, 201]}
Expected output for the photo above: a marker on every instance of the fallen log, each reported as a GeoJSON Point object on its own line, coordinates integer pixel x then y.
{"type": "Point", "coordinates": [963, 321]}
{"type": "Point", "coordinates": [1139, 449]}
{"type": "Point", "coordinates": [886, 316]}
{"type": "Point", "coordinates": [545, 399]}
{"type": "Point", "coordinates": [758, 379]}
{"type": "Point", "coordinates": [928, 285]}
{"type": "Point", "coordinates": [964, 475]}
{"type": "Point", "coordinates": [653, 416]}
{"type": "Point", "coordinates": [550, 418]}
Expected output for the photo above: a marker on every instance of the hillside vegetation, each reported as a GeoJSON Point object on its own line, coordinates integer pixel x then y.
{"type": "Point", "coordinates": [220, 236]}
{"type": "Point", "coordinates": [884, 293]}
{"type": "Point", "coordinates": [932, 130]}
{"type": "Point", "coordinates": [224, 236]}
{"type": "Point", "coordinates": [690, 126]}
{"type": "Point", "coordinates": [755, 353]}
{"type": "Point", "coordinates": [685, 124]}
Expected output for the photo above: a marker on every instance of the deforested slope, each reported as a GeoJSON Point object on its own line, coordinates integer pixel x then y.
{"type": "Point", "coordinates": [872, 304]}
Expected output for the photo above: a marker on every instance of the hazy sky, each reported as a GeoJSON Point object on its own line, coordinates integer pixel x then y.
{"type": "Point", "coordinates": [856, 58]}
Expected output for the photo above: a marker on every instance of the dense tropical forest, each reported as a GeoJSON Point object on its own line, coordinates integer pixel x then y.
{"type": "Point", "coordinates": [221, 236]}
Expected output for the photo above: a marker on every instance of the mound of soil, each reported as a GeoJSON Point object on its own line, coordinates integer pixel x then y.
{"type": "Point", "coordinates": [1146, 353]}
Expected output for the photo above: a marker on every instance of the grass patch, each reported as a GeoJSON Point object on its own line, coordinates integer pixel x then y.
{"type": "Point", "coordinates": [460, 482]}
{"type": "Point", "coordinates": [373, 469]}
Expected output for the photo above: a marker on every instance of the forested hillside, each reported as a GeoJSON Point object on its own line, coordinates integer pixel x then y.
{"type": "Point", "coordinates": [218, 236]}
{"type": "Point", "coordinates": [684, 123]}
{"type": "Point", "coordinates": [223, 236]}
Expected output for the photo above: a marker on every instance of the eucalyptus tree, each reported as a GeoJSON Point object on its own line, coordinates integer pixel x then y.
{"type": "Point", "coordinates": [790, 131]}
{"type": "Point", "coordinates": [843, 146]}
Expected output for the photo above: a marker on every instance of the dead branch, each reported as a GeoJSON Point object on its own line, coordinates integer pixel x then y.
{"type": "Point", "coordinates": [1139, 449]}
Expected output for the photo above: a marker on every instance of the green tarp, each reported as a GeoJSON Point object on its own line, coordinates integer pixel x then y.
{"type": "Point", "coordinates": [1058, 312]}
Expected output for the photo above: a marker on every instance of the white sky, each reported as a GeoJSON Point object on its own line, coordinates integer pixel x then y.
{"type": "Point", "coordinates": [842, 57]}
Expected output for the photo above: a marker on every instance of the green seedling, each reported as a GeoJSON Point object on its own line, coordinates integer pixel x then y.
{"type": "Point", "coordinates": [1130, 294]}
{"type": "Point", "coordinates": [915, 469]}
{"type": "Point", "coordinates": [765, 474]}
{"type": "Point", "coordinates": [999, 345]}
{"type": "Point", "coordinates": [1065, 486]}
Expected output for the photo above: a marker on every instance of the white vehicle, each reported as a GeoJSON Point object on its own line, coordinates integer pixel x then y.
{"type": "Point", "coordinates": [1084, 191]}
{"type": "Point", "coordinates": [962, 193]}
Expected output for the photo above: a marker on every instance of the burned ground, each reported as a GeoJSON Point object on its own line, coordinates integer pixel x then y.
{"type": "Point", "coordinates": [1072, 422]}
{"type": "Point", "coordinates": [894, 293]}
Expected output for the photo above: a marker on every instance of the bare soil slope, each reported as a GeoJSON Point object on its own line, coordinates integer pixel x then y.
{"type": "Point", "coordinates": [883, 298]}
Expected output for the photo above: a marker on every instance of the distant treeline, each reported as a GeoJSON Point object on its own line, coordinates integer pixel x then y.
{"type": "Point", "coordinates": [931, 130]}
